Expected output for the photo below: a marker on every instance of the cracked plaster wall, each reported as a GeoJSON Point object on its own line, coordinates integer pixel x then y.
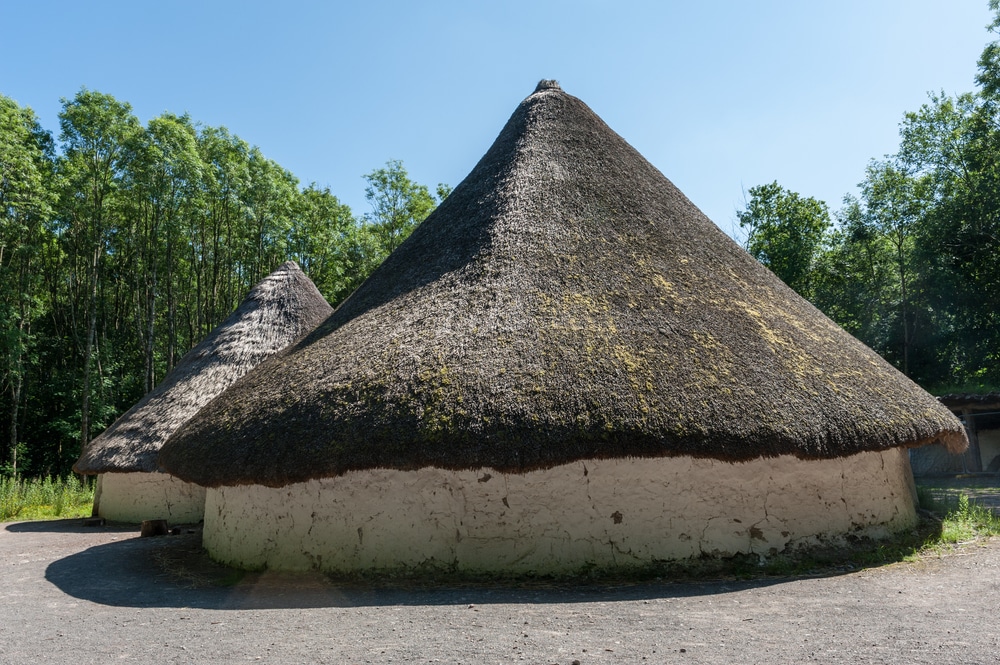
{"type": "Point", "coordinates": [595, 513]}
{"type": "Point", "coordinates": [134, 497]}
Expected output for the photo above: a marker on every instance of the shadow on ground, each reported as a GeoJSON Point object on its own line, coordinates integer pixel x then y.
{"type": "Point", "coordinates": [74, 525]}
{"type": "Point", "coordinates": [174, 571]}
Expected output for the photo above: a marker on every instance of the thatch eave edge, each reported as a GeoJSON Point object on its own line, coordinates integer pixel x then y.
{"type": "Point", "coordinates": [954, 442]}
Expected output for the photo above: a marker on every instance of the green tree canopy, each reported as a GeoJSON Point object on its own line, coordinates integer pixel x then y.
{"type": "Point", "coordinates": [26, 203]}
{"type": "Point", "coordinates": [785, 232]}
{"type": "Point", "coordinates": [398, 204]}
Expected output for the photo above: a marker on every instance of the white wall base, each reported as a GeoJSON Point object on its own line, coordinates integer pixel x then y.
{"type": "Point", "coordinates": [134, 497]}
{"type": "Point", "coordinates": [604, 513]}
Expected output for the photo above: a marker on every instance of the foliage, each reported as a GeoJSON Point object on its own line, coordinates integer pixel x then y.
{"type": "Point", "coordinates": [785, 232]}
{"type": "Point", "coordinates": [122, 246]}
{"type": "Point", "coordinates": [962, 519]}
{"type": "Point", "coordinates": [321, 243]}
{"type": "Point", "coordinates": [910, 265]}
{"type": "Point", "coordinates": [26, 200]}
{"type": "Point", "coordinates": [968, 521]}
{"type": "Point", "coordinates": [42, 498]}
{"type": "Point", "coordinates": [398, 204]}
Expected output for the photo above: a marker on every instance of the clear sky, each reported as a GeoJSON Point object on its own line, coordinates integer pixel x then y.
{"type": "Point", "coordinates": [719, 95]}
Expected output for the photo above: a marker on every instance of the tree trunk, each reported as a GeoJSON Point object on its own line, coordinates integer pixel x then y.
{"type": "Point", "coordinates": [88, 352]}
{"type": "Point", "coordinates": [17, 386]}
{"type": "Point", "coordinates": [904, 313]}
{"type": "Point", "coordinates": [171, 306]}
{"type": "Point", "coordinates": [151, 329]}
{"type": "Point", "coordinates": [15, 403]}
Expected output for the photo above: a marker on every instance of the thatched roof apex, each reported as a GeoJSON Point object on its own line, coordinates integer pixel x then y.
{"type": "Point", "coordinates": [282, 307]}
{"type": "Point", "coordinates": [565, 302]}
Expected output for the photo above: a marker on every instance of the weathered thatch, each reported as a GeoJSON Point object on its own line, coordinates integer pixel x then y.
{"type": "Point", "coordinates": [282, 307]}
{"type": "Point", "coordinates": [565, 302]}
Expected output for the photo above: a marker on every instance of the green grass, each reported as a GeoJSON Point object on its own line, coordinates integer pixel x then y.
{"type": "Point", "coordinates": [44, 498]}
{"type": "Point", "coordinates": [962, 519]}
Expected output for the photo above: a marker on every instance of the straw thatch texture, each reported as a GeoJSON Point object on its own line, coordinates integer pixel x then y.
{"type": "Point", "coordinates": [565, 302]}
{"type": "Point", "coordinates": [282, 307]}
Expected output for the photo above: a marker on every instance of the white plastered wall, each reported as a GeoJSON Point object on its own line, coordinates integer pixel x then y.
{"type": "Point", "coordinates": [134, 497]}
{"type": "Point", "coordinates": [600, 513]}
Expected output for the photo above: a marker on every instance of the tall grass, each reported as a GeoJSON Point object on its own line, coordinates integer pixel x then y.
{"type": "Point", "coordinates": [967, 520]}
{"type": "Point", "coordinates": [962, 518]}
{"type": "Point", "coordinates": [41, 498]}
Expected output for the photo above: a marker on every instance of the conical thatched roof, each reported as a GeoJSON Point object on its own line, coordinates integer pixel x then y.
{"type": "Point", "coordinates": [282, 307]}
{"type": "Point", "coordinates": [565, 302]}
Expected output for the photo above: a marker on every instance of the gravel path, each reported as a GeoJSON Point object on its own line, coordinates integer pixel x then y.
{"type": "Point", "coordinates": [73, 594]}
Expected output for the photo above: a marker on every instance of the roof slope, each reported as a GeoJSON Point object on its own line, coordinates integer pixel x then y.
{"type": "Point", "coordinates": [282, 307]}
{"type": "Point", "coordinates": [565, 302]}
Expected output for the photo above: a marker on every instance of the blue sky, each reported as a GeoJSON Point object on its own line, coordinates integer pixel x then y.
{"type": "Point", "coordinates": [719, 95]}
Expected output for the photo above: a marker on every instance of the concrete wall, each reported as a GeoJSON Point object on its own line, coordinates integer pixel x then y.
{"type": "Point", "coordinates": [134, 497]}
{"type": "Point", "coordinates": [596, 513]}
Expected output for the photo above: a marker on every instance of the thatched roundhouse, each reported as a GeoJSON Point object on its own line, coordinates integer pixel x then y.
{"type": "Point", "coordinates": [566, 365]}
{"type": "Point", "coordinates": [282, 307]}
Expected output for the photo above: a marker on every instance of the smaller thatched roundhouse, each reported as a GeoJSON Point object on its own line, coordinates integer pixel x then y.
{"type": "Point", "coordinates": [281, 308]}
{"type": "Point", "coordinates": [566, 365]}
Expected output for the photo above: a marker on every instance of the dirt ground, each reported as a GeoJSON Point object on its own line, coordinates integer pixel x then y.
{"type": "Point", "coordinates": [75, 594]}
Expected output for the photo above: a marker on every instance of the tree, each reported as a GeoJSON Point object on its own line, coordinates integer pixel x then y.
{"type": "Point", "coordinates": [398, 205]}
{"type": "Point", "coordinates": [218, 233]}
{"type": "Point", "coordinates": [989, 61]}
{"type": "Point", "coordinates": [98, 135]}
{"type": "Point", "coordinates": [164, 187]}
{"type": "Point", "coordinates": [895, 202]}
{"type": "Point", "coordinates": [268, 201]}
{"type": "Point", "coordinates": [950, 149]}
{"type": "Point", "coordinates": [26, 156]}
{"type": "Point", "coordinates": [319, 241]}
{"type": "Point", "coordinates": [443, 191]}
{"type": "Point", "coordinates": [785, 232]}
{"type": "Point", "coordinates": [120, 254]}
{"type": "Point", "coordinates": [853, 277]}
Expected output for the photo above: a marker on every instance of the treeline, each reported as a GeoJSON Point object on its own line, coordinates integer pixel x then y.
{"type": "Point", "coordinates": [122, 246]}
{"type": "Point", "coordinates": [911, 265]}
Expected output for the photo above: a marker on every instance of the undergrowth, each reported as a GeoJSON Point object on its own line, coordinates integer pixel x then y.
{"type": "Point", "coordinates": [44, 498]}
{"type": "Point", "coordinates": [962, 520]}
